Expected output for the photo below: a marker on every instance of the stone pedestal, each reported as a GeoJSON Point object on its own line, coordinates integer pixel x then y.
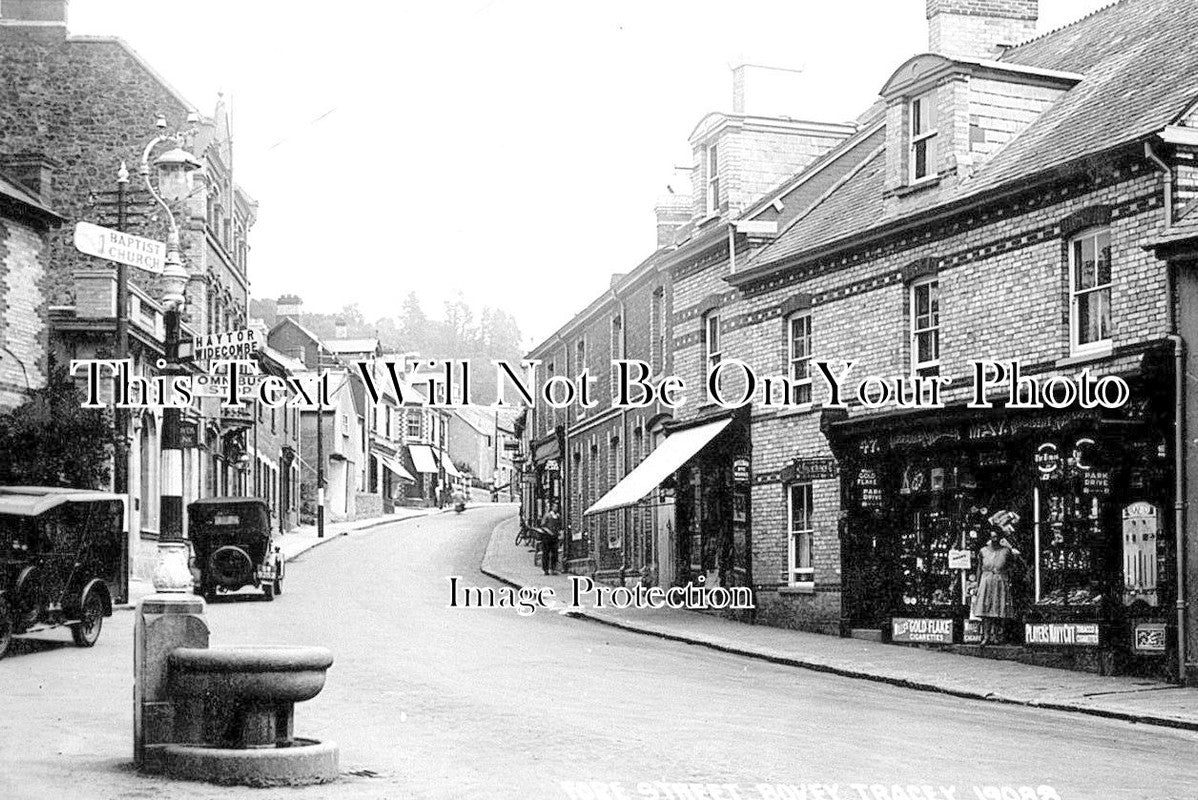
{"type": "Point", "coordinates": [164, 622]}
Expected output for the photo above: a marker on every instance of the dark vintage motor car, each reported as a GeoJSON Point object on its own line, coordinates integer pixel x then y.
{"type": "Point", "coordinates": [61, 560]}
{"type": "Point", "coordinates": [233, 546]}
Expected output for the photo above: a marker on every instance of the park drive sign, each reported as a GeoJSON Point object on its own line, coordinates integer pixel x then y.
{"type": "Point", "coordinates": [123, 248]}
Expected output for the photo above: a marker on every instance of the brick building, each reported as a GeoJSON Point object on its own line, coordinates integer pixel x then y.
{"type": "Point", "coordinates": [979, 230]}
{"type": "Point", "coordinates": [75, 109]}
{"type": "Point", "coordinates": [25, 222]}
{"type": "Point", "coordinates": [1010, 198]}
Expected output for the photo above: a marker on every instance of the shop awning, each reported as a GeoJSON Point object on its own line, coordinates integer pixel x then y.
{"type": "Point", "coordinates": [450, 469]}
{"type": "Point", "coordinates": [671, 454]}
{"type": "Point", "coordinates": [422, 458]}
{"type": "Point", "coordinates": [395, 467]}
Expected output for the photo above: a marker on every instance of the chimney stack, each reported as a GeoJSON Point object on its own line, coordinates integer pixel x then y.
{"type": "Point", "coordinates": [289, 305]}
{"type": "Point", "coordinates": [340, 330]}
{"type": "Point", "coordinates": [979, 29]}
{"type": "Point", "coordinates": [673, 211]}
{"type": "Point", "coordinates": [34, 171]}
{"type": "Point", "coordinates": [43, 20]}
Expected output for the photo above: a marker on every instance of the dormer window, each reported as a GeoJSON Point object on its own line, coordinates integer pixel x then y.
{"type": "Point", "coordinates": [923, 137]}
{"type": "Point", "coordinates": [713, 179]}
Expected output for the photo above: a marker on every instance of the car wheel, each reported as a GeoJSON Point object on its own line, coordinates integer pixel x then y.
{"type": "Point", "coordinates": [86, 631]}
{"type": "Point", "coordinates": [268, 591]}
{"type": "Point", "coordinates": [5, 627]}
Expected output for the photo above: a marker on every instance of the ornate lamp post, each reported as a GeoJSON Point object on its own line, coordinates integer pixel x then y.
{"type": "Point", "coordinates": [175, 170]}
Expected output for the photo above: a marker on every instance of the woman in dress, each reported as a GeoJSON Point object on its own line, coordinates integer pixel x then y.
{"type": "Point", "coordinates": [993, 602]}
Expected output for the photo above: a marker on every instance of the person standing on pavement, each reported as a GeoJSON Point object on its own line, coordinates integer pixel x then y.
{"type": "Point", "coordinates": [993, 602]}
{"type": "Point", "coordinates": [551, 527]}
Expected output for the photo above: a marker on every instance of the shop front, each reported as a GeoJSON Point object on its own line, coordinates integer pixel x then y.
{"type": "Point", "coordinates": [703, 465]}
{"type": "Point", "coordinates": [1078, 501]}
{"type": "Point", "coordinates": [546, 478]}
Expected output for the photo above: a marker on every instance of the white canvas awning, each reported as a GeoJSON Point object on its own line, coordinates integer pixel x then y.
{"type": "Point", "coordinates": [671, 454]}
{"type": "Point", "coordinates": [395, 467]}
{"type": "Point", "coordinates": [450, 469]}
{"type": "Point", "coordinates": [422, 458]}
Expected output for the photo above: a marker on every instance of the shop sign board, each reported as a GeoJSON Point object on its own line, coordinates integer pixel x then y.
{"type": "Point", "coordinates": [1140, 567]}
{"type": "Point", "coordinates": [933, 631]}
{"type": "Point", "coordinates": [740, 470]}
{"type": "Point", "coordinates": [1048, 460]}
{"type": "Point", "coordinates": [811, 469]}
{"type": "Point", "coordinates": [960, 559]}
{"type": "Point", "coordinates": [552, 466]}
{"type": "Point", "coordinates": [1067, 634]}
{"type": "Point", "coordinates": [1149, 637]}
{"type": "Point", "coordinates": [189, 435]}
{"type": "Point", "coordinates": [239, 344]}
{"type": "Point", "coordinates": [972, 631]}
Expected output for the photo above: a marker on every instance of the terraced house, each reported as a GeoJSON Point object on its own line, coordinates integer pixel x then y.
{"type": "Point", "coordinates": [1009, 197]}
{"type": "Point", "coordinates": [1011, 213]}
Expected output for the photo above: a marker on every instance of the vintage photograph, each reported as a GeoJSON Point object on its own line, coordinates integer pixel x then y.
{"type": "Point", "coordinates": [777, 400]}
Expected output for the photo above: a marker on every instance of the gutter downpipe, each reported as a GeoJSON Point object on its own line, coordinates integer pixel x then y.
{"type": "Point", "coordinates": [624, 439]}
{"type": "Point", "coordinates": [732, 248]}
{"type": "Point", "coordinates": [1179, 442]}
{"type": "Point", "coordinates": [564, 465]}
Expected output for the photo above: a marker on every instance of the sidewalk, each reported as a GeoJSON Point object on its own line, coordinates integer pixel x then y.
{"type": "Point", "coordinates": [304, 538]}
{"type": "Point", "coordinates": [1131, 699]}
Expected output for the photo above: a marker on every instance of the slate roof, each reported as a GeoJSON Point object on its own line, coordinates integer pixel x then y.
{"type": "Point", "coordinates": [1139, 59]}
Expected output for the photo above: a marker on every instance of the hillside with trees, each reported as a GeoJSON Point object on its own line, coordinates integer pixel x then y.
{"type": "Point", "coordinates": [458, 333]}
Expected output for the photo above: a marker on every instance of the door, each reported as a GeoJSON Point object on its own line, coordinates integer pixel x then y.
{"type": "Point", "coordinates": [663, 542]}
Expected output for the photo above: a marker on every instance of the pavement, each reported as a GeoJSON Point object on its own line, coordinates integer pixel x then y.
{"type": "Point", "coordinates": [1125, 698]}
{"type": "Point", "coordinates": [431, 699]}
{"type": "Point", "coordinates": [304, 537]}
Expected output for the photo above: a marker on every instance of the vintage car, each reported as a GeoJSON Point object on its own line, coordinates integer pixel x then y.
{"type": "Point", "coordinates": [233, 546]}
{"type": "Point", "coordinates": [61, 560]}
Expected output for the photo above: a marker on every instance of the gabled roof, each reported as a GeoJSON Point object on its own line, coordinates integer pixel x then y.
{"type": "Point", "coordinates": [1139, 62]}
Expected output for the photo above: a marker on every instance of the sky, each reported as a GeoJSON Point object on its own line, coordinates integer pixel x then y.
{"type": "Point", "coordinates": [511, 151]}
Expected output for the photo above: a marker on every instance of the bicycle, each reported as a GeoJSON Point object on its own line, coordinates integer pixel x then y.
{"type": "Point", "coordinates": [526, 536]}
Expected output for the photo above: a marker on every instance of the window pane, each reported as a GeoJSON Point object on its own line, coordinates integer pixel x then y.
{"type": "Point", "coordinates": [1083, 252]}
{"type": "Point", "coordinates": [803, 551]}
{"type": "Point", "coordinates": [921, 158]}
{"type": "Point", "coordinates": [922, 301]}
{"type": "Point", "coordinates": [1103, 248]}
{"type": "Point", "coordinates": [926, 347]}
{"type": "Point", "coordinates": [916, 116]}
{"type": "Point", "coordinates": [1092, 317]}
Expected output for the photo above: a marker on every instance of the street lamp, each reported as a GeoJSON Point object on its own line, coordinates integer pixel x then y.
{"type": "Point", "coordinates": [175, 170]}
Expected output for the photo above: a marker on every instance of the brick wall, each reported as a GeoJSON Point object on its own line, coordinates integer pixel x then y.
{"type": "Point", "coordinates": [1004, 294]}
{"type": "Point", "coordinates": [23, 344]}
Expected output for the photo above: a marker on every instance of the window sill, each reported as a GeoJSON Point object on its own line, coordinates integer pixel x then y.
{"type": "Point", "coordinates": [1077, 357]}
{"type": "Point", "coordinates": [917, 186]}
{"type": "Point", "coordinates": [798, 588]}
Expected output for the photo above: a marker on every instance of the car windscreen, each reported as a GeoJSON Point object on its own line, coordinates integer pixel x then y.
{"type": "Point", "coordinates": [14, 535]}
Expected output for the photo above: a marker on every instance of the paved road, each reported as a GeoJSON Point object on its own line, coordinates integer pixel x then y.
{"type": "Point", "coordinates": [428, 701]}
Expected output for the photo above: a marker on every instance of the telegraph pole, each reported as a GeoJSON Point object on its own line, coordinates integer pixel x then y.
{"type": "Point", "coordinates": [120, 472]}
{"type": "Point", "coordinates": [319, 454]}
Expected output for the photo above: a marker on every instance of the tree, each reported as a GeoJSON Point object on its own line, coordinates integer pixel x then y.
{"type": "Point", "coordinates": [51, 440]}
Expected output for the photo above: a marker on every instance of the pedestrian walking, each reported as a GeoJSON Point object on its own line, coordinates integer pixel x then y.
{"type": "Point", "coordinates": [551, 527]}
